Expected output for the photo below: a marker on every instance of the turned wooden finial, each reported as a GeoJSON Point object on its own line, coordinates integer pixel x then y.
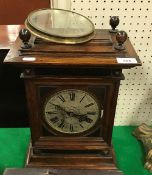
{"type": "Point", "coordinates": [114, 22]}
{"type": "Point", "coordinates": [25, 36]}
{"type": "Point", "coordinates": [121, 37]}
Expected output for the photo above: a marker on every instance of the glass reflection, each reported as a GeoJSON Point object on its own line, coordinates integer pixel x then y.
{"type": "Point", "coordinates": [60, 23]}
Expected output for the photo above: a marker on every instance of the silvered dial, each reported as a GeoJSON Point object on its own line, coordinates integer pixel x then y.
{"type": "Point", "coordinates": [71, 111]}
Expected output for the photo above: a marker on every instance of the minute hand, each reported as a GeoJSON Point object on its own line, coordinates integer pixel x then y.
{"type": "Point", "coordinates": [81, 117]}
{"type": "Point", "coordinates": [59, 108]}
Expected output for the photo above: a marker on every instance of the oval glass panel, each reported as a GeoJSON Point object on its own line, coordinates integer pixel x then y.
{"type": "Point", "coordinates": [60, 23]}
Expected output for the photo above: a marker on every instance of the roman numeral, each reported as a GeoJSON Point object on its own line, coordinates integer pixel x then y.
{"type": "Point", "coordinates": [82, 98]}
{"type": "Point", "coordinates": [81, 125]}
{"type": "Point", "coordinates": [61, 124]}
{"type": "Point", "coordinates": [61, 98]}
{"type": "Point", "coordinates": [72, 96]}
{"type": "Point", "coordinates": [91, 113]}
{"type": "Point", "coordinates": [54, 119]}
{"type": "Point", "coordinates": [71, 127]}
{"type": "Point", "coordinates": [89, 105]}
{"type": "Point", "coordinates": [50, 112]}
{"type": "Point", "coordinates": [88, 120]}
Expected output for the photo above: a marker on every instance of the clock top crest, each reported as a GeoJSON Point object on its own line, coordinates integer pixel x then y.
{"type": "Point", "coordinates": [65, 38]}
{"type": "Point", "coordinates": [71, 91]}
{"type": "Point", "coordinates": [96, 53]}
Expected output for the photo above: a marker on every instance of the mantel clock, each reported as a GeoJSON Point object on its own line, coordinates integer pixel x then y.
{"type": "Point", "coordinates": [71, 90]}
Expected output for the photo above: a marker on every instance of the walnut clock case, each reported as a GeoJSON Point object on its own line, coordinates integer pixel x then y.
{"type": "Point", "coordinates": [72, 94]}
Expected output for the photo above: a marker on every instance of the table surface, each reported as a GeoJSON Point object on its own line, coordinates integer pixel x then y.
{"type": "Point", "coordinates": [52, 171]}
{"type": "Point", "coordinates": [8, 34]}
{"type": "Point", "coordinates": [129, 151]}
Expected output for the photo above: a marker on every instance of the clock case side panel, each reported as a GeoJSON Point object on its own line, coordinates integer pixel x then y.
{"type": "Point", "coordinates": [31, 96]}
{"type": "Point", "coordinates": [112, 95]}
{"type": "Point", "coordinates": [32, 88]}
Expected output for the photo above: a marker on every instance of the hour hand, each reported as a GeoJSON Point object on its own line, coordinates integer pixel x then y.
{"type": "Point", "coordinates": [85, 118]}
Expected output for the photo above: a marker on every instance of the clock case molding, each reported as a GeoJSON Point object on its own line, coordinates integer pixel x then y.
{"type": "Point", "coordinates": [90, 66]}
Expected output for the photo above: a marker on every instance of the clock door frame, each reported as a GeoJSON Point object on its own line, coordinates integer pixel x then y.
{"type": "Point", "coordinates": [33, 83]}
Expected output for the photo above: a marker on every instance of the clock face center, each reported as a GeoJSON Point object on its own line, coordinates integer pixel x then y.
{"type": "Point", "coordinates": [73, 110]}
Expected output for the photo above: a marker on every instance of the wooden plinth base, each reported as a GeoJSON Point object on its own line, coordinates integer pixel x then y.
{"type": "Point", "coordinates": [71, 161]}
{"type": "Point", "coordinates": [51, 171]}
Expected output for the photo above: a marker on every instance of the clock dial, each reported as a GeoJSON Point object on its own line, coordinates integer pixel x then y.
{"type": "Point", "coordinates": [71, 111]}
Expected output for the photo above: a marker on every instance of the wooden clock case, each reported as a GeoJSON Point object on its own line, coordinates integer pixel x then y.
{"type": "Point", "coordinates": [92, 66]}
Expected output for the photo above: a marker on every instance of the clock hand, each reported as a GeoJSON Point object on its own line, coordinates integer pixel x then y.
{"type": "Point", "coordinates": [61, 109]}
{"type": "Point", "coordinates": [85, 118]}
{"type": "Point", "coordinates": [81, 117]}
{"type": "Point", "coordinates": [58, 107]}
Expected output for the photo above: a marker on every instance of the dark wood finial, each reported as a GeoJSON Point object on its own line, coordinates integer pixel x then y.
{"type": "Point", "coordinates": [114, 22]}
{"type": "Point", "coordinates": [121, 37]}
{"type": "Point", "coordinates": [25, 36]}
